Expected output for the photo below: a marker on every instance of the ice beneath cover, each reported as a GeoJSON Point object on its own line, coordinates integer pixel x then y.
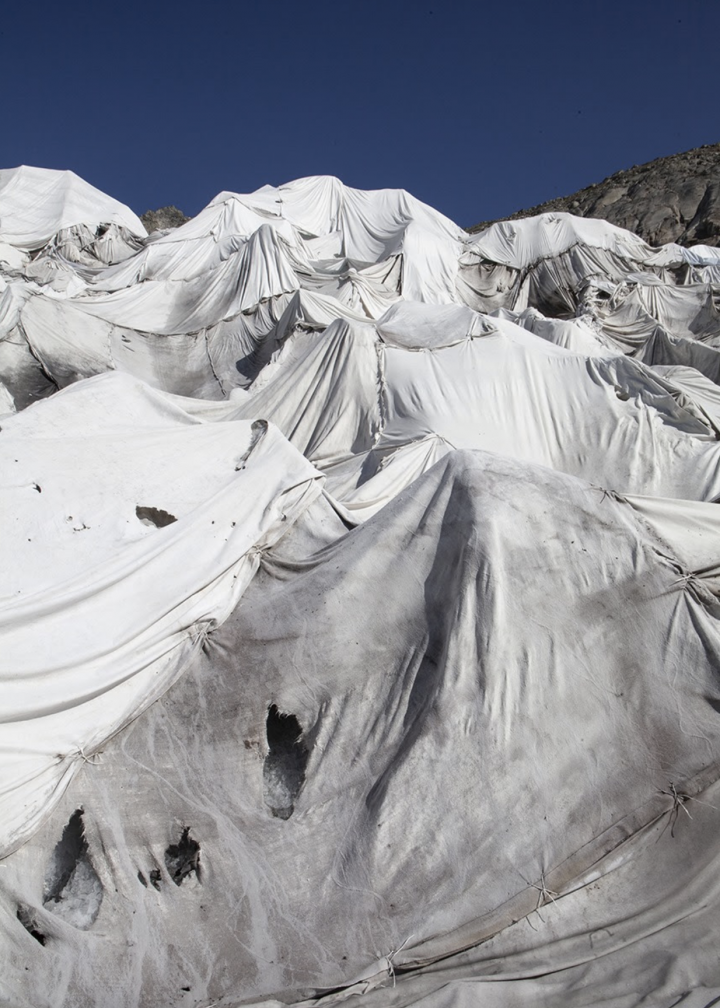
{"type": "Point", "coordinates": [359, 612]}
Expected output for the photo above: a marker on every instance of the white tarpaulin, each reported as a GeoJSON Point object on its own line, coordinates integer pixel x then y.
{"type": "Point", "coordinates": [94, 476]}
{"type": "Point", "coordinates": [36, 203]}
{"type": "Point", "coordinates": [359, 615]}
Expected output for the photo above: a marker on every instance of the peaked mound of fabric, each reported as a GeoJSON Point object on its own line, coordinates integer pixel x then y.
{"type": "Point", "coordinates": [37, 203]}
{"type": "Point", "coordinates": [359, 624]}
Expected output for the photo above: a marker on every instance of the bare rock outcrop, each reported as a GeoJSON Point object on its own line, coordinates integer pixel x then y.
{"type": "Point", "coordinates": [165, 217]}
{"type": "Point", "coordinates": [671, 199]}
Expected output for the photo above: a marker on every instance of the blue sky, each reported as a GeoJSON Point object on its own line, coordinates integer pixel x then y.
{"type": "Point", "coordinates": [478, 108]}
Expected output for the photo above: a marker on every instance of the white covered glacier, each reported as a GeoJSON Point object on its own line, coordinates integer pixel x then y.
{"type": "Point", "coordinates": [359, 622]}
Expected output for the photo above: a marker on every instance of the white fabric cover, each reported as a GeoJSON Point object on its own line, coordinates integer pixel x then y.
{"type": "Point", "coordinates": [520, 243]}
{"type": "Point", "coordinates": [36, 203]}
{"type": "Point", "coordinates": [83, 647]}
{"type": "Point", "coordinates": [416, 326]}
{"type": "Point", "coordinates": [359, 620]}
{"type": "Point", "coordinates": [503, 678]}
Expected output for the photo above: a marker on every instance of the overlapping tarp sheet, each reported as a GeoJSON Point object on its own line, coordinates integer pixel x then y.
{"type": "Point", "coordinates": [360, 619]}
{"type": "Point", "coordinates": [482, 751]}
{"type": "Point", "coordinates": [132, 529]}
{"type": "Point", "coordinates": [37, 203]}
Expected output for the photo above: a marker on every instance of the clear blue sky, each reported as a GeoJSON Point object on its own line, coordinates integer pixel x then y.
{"type": "Point", "coordinates": [478, 108]}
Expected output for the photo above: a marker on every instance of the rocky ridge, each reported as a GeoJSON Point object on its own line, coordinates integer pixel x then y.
{"type": "Point", "coordinates": [163, 219]}
{"type": "Point", "coordinates": [671, 199]}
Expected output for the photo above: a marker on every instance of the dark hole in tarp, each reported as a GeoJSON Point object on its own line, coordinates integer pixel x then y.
{"type": "Point", "coordinates": [183, 858]}
{"type": "Point", "coordinates": [154, 516]}
{"type": "Point", "coordinates": [72, 888]}
{"type": "Point", "coordinates": [28, 922]}
{"type": "Point", "coordinates": [285, 763]}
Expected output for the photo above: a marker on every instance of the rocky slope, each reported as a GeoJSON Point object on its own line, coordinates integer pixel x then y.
{"type": "Point", "coordinates": [671, 199]}
{"type": "Point", "coordinates": [163, 218]}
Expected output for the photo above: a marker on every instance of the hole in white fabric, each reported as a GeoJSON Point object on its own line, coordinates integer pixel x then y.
{"type": "Point", "coordinates": [28, 922]}
{"type": "Point", "coordinates": [714, 703]}
{"type": "Point", "coordinates": [183, 858]}
{"type": "Point", "coordinates": [155, 517]}
{"type": "Point", "coordinates": [285, 763]}
{"type": "Point", "coordinates": [72, 888]}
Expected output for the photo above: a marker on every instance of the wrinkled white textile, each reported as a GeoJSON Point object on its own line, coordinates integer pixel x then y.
{"type": "Point", "coordinates": [83, 648]}
{"type": "Point", "coordinates": [359, 615]}
{"type": "Point", "coordinates": [36, 203]}
{"type": "Point", "coordinates": [521, 243]}
{"type": "Point", "coordinates": [416, 326]}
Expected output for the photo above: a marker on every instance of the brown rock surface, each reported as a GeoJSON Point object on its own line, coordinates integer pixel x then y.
{"type": "Point", "coordinates": [165, 217]}
{"type": "Point", "coordinates": [671, 199]}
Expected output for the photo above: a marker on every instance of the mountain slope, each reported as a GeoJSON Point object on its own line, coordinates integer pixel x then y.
{"type": "Point", "coordinates": [671, 199]}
